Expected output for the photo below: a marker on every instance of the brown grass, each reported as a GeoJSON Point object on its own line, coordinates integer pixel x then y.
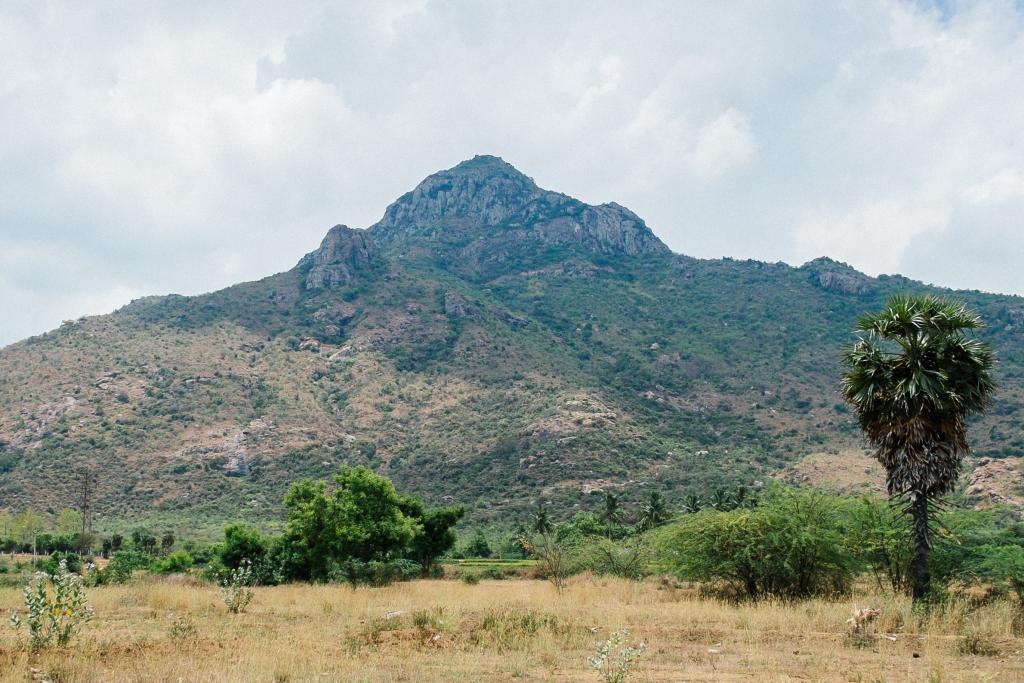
{"type": "Point", "coordinates": [507, 630]}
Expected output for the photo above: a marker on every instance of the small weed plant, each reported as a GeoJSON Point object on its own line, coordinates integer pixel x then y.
{"type": "Point", "coordinates": [861, 632]}
{"type": "Point", "coordinates": [615, 659]}
{"type": "Point", "coordinates": [236, 588]}
{"type": "Point", "coordinates": [183, 630]}
{"type": "Point", "coordinates": [53, 617]}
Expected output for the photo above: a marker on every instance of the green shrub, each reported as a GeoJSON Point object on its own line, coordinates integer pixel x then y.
{"type": "Point", "coordinates": [177, 562]}
{"type": "Point", "coordinates": [878, 536]}
{"type": "Point", "coordinates": [629, 558]}
{"type": "Point", "coordinates": [245, 545]}
{"type": "Point", "coordinates": [123, 563]}
{"type": "Point", "coordinates": [1002, 565]}
{"type": "Point", "coordinates": [615, 659]}
{"type": "Point", "coordinates": [53, 618]}
{"type": "Point", "coordinates": [477, 546]}
{"type": "Point", "coordinates": [72, 562]}
{"type": "Point", "coordinates": [789, 546]}
{"type": "Point", "coordinates": [236, 589]}
{"type": "Point", "coordinates": [975, 643]}
{"type": "Point", "coordinates": [375, 573]}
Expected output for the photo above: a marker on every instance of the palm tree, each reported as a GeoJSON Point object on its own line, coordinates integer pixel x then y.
{"type": "Point", "coordinates": [610, 514]}
{"type": "Point", "coordinates": [653, 512]}
{"type": "Point", "coordinates": [541, 521]}
{"type": "Point", "coordinates": [692, 503]}
{"type": "Point", "coordinates": [721, 501]}
{"type": "Point", "coordinates": [913, 377]}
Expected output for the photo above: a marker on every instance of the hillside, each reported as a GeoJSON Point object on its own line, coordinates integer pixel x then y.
{"type": "Point", "coordinates": [486, 342]}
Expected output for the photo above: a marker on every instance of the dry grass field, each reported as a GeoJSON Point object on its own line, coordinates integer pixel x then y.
{"type": "Point", "coordinates": [166, 630]}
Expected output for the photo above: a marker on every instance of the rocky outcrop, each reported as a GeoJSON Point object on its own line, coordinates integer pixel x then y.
{"type": "Point", "coordinates": [458, 306]}
{"type": "Point", "coordinates": [837, 277]}
{"type": "Point", "coordinates": [997, 482]}
{"type": "Point", "coordinates": [343, 253]}
{"type": "Point", "coordinates": [485, 211]}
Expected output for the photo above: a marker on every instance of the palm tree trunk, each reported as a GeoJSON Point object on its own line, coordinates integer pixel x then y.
{"type": "Point", "coordinates": [920, 577]}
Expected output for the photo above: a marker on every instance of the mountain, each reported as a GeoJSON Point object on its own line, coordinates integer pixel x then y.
{"type": "Point", "coordinates": [487, 342]}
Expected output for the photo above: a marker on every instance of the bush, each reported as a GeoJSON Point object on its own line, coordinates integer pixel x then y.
{"type": "Point", "coordinates": [878, 536]}
{"type": "Point", "coordinates": [628, 559]}
{"type": "Point", "coordinates": [57, 618]}
{"type": "Point", "coordinates": [123, 563]}
{"type": "Point", "coordinates": [976, 544]}
{"type": "Point", "coordinates": [177, 562]}
{"type": "Point", "coordinates": [1002, 565]}
{"type": "Point", "coordinates": [72, 562]}
{"type": "Point", "coordinates": [243, 545]}
{"type": "Point", "coordinates": [236, 589]}
{"type": "Point", "coordinates": [614, 659]}
{"type": "Point", "coordinates": [375, 573]}
{"type": "Point", "coordinates": [477, 546]}
{"type": "Point", "coordinates": [789, 546]}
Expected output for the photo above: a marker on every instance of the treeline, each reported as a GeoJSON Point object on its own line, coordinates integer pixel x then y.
{"type": "Point", "coordinates": [742, 543]}
{"type": "Point", "coordinates": [359, 530]}
{"type": "Point", "coordinates": [798, 543]}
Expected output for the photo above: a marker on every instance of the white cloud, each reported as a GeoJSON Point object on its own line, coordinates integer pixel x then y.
{"type": "Point", "coordinates": [877, 232]}
{"type": "Point", "coordinates": [723, 144]}
{"type": "Point", "coordinates": [184, 146]}
{"type": "Point", "coordinates": [1007, 184]}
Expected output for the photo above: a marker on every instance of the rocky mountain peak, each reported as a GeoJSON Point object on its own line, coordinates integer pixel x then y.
{"type": "Point", "coordinates": [342, 254]}
{"type": "Point", "coordinates": [837, 276]}
{"type": "Point", "coordinates": [486, 209]}
{"type": "Point", "coordinates": [485, 190]}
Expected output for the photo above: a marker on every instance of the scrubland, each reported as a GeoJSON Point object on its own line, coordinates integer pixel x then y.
{"type": "Point", "coordinates": [176, 629]}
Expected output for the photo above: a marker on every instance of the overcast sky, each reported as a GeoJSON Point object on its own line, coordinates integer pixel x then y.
{"type": "Point", "coordinates": [150, 148]}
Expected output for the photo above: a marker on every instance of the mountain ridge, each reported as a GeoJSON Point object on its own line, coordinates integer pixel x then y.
{"type": "Point", "coordinates": [490, 348]}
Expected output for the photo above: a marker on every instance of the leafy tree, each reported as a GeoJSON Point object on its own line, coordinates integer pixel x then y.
{"type": "Point", "coordinates": [360, 520]}
{"type": "Point", "coordinates": [372, 524]}
{"type": "Point", "coordinates": [436, 534]}
{"type": "Point", "coordinates": [112, 545]}
{"type": "Point", "coordinates": [143, 541]}
{"type": "Point", "coordinates": [789, 546]}
{"type": "Point", "coordinates": [514, 544]}
{"type": "Point", "coordinates": [581, 528]}
{"type": "Point", "coordinates": [1002, 564]}
{"type": "Point", "coordinates": [69, 522]}
{"type": "Point", "coordinates": [310, 540]}
{"type": "Point", "coordinates": [654, 512]}
{"type": "Point", "coordinates": [879, 536]}
{"type": "Point", "coordinates": [242, 544]}
{"type": "Point", "coordinates": [27, 526]}
{"type": "Point", "coordinates": [478, 545]}
{"type": "Point", "coordinates": [628, 558]}
{"type": "Point", "coordinates": [167, 543]}
{"type": "Point", "coordinates": [6, 525]}
{"type": "Point", "coordinates": [913, 378]}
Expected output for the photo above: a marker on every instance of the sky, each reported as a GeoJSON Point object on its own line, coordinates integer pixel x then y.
{"type": "Point", "coordinates": [159, 147]}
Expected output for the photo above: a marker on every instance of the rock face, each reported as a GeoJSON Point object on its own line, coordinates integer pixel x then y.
{"type": "Point", "coordinates": [837, 277]}
{"type": "Point", "coordinates": [457, 305]}
{"type": "Point", "coordinates": [997, 482]}
{"type": "Point", "coordinates": [484, 211]}
{"type": "Point", "coordinates": [342, 254]}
